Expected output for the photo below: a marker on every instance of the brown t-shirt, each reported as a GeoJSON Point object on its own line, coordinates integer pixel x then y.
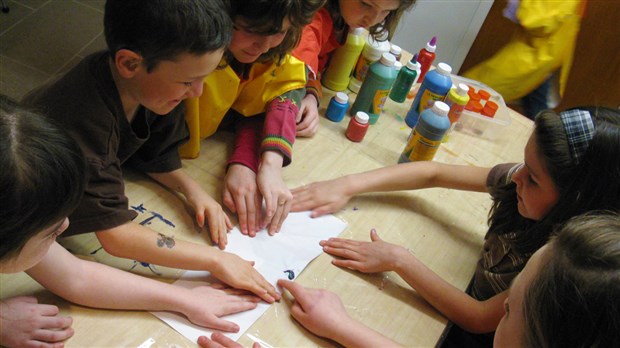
{"type": "Point", "coordinates": [498, 263]}
{"type": "Point", "coordinates": [86, 102]}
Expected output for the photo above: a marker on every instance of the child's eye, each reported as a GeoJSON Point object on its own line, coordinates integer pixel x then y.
{"type": "Point", "coordinates": [506, 308]}
{"type": "Point", "coordinates": [187, 84]}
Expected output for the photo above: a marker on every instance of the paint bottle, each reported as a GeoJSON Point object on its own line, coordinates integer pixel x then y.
{"type": "Point", "coordinates": [343, 61]}
{"type": "Point", "coordinates": [354, 85]}
{"type": "Point", "coordinates": [375, 88]}
{"type": "Point", "coordinates": [358, 126]}
{"type": "Point", "coordinates": [426, 57]}
{"type": "Point", "coordinates": [435, 87]}
{"type": "Point", "coordinates": [456, 99]}
{"type": "Point", "coordinates": [396, 51]}
{"type": "Point", "coordinates": [337, 107]}
{"type": "Point", "coordinates": [426, 136]}
{"type": "Point", "coordinates": [407, 76]}
{"type": "Point", "coordinates": [372, 52]}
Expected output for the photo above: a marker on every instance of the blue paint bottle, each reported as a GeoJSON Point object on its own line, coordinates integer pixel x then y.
{"type": "Point", "coordinates": [426, 136]}
{"type": "Point", "coordinates": [435, 86]}
{"type": "Point", "coordinates": [337, 107]}
{"type": "Point", "coordinates": [375, 88]}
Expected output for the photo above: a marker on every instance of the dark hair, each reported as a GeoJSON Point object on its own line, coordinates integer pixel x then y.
{"type": "Point", "coordinates": [163, 29]}
{"type": "Point", "coordinates": [266, 17]}
{"type": "Point", "coordinates": [388, 25]}
{"type": "Point", "coordinates": [42, 177]}
{"type": "Point", "coordinates": [592, 184]}
{"type": "Point", "coordinates": [574, 300]}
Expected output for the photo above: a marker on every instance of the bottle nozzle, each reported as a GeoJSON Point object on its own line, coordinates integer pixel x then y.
{"type": "Point", "coordinates": [415, 58]}
{"type": "Point", "coordinates": [433, 41]}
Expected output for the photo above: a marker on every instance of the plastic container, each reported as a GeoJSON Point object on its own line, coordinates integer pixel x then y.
{"type": "Point", "coordinates": [358, 126]}
{"type": "Point", "coordinates": [336, 77]}
{"type": "Point", "coordinates": [354, 85]}
{"type": "Point", "coordinates": [426, 57]}
{"type": "Point", "coordinates": [479, 125]}
{"type": "Point", "coordinates": [435, 87]}
{"type": "Point", "coordinates": [396, 51]}
{"type": "Point", "coordinates": [407, 76]}
{"type": "Point", "coordinates": [426, 136]}
{"type": "Point", "coordinates": [372, 52]}
{"type": "Point", "coordinates": [375, 88]}
{"type": "Point", "coordinates": [337, 107]}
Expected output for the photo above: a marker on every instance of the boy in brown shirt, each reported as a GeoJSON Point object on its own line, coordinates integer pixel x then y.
{"type": "Point", "coordinates": [124, 105]}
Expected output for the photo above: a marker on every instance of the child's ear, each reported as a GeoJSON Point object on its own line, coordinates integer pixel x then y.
{"type": "Point", "coordinates": [127, 62]}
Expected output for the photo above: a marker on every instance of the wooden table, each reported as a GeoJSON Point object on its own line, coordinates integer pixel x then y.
{"type": "Point", "coordinates": [443, 227]}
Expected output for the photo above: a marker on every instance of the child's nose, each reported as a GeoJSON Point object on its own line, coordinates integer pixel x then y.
{"type": "Point", "coordinates": [196, 89]}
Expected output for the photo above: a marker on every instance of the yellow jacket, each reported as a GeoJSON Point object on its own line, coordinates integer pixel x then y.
{"type": "Point", "coordinates": [223, 90]}
{"type": "Point", "coordinates": [545, 45]}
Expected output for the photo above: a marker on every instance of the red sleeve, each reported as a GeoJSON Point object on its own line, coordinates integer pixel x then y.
{"type": "Point", "coordinates": [314, 38]}
{"type": "Point", "coordinates": [247, 137]}
{"type": "Point", "coordinates": [279, 129]}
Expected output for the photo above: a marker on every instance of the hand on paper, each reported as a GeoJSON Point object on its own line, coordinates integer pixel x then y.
{"type": "Point", "coordinates": [367, 257]}
{"type": "Point", "coordinates": [241, 196]}
{"type": "Point", "coordinates": [318, 310]}
{"type": "Point", "coordinates": [241, 274]}
{"type": "Point", "coordinates": [208, 303]}
{"type": "Point", "coordinates": [308, 117]}
{"type": "Point", "coordinates": [323, 197]}
{"type": "Point", "coordinates": [278, 197]}
{"type": "Point", "coordinates": [219, 223]}
{"type": "Point", "coordinates": [25, 323]}
{"type": "Point", "coordinates": [218, 340]}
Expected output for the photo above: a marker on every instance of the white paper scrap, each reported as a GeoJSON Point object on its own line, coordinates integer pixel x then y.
{"type": "Point", "coordinates": [275, 257]}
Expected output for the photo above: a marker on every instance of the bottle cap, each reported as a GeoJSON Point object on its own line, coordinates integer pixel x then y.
{"type": "Point", "coordinates": [341, 97]}
{"type": "Point", "coordinates": [413, 66]}
{"type": "Point", "coordinates": [362, 117]}
{"type": "Point", "coordinates": [489, 109]}
{"type": "Point", "coordinates": [462, 89]}
{"type": "Point", "coordinates": [388, 59]}
{"type": "Point", "coordinates": [358, 31]}
{"type": "Point", "coordinates": [444, 69]}
{"type": "Point", "coordinates": [474, 106]}
{"type": "Point", "coordinates": [398, 65]}
{"type": "Point", "coordinates": [354, 84]}
{"type": "Point", "coordinates": [441, 108]}
{"type": "Point", "coordinates": [431, 46]}
{"type": "Point", "coordinates": [396, 50]}
{"type": "Point", "coordinates": [484, 94]}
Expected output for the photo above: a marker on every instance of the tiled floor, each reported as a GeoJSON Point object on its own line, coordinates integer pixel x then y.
{"type": "Point", "coordinates": [42, 38]}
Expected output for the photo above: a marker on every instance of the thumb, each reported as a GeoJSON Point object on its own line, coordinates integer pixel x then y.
{"type": "Point", "coordinates": [374, 236]}
{"type": "Point", "coordinates": [200, 218]}
{"type": "Point", "coordinates": [220, 324]}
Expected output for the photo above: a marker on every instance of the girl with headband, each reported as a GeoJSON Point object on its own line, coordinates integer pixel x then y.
{"type": "Point", "coordinates": [572, 166]}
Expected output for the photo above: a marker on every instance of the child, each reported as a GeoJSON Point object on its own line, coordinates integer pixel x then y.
{"type": "Point", "coordinates": [570, 302]}
{"type": "Point", "coordinates": [257, 83]}
{"type": "Point", "coordinates": [41, 182]}
{"type": "Point", "coordinates": [328, 31]}
{"type": "Point", "coordinates": [123, 106]}
{"type": "Point", "coordinates": [572, 165]}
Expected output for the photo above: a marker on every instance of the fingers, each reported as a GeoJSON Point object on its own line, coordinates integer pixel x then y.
{"type": "Point", "coordinates": [222, 325]}
{"type": "Point", "coordinates": [47, 335]}
{"type": "Point", "coordinates": [224, 341]}
{"type": "Point", "coordinates": [205, 342]}
{"type": "Point", "coordinates": [242, 214]}
{"type": "Point", "coordinates": [228, 200]}
{"type": "Point", "coordinates": [374, 236]}
{"type": "Point", "coordinates": [351, 264]}
{"type": "Point", "coordinates": [283, 208]}
{"type": "Point", "coordinates": [253, 206]}
{"type": "Point", "coordinates": [298, 291]}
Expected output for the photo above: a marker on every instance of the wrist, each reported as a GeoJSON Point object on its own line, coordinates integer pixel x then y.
{"type": "Point", "coordinates": [272, 159]}
{"type": "Point", "coordinates": [404, 259]}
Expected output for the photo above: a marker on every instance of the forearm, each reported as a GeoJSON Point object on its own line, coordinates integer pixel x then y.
{"type": "Point", "coordinates": [418, 175]}
{"type": "Point", "coordinates": [134, 241]}
{"type": "Point", "coordinates": [356, 334]}
{"type": "Point", "coordinates": [177, 180]}
{"type": "Point", "coordinates": [468, 313]}
{"type": "Point", "coordinates": [96, 285]}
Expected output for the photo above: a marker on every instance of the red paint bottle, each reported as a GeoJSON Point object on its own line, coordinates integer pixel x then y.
{"type": "Point", "coordinates": [426, 57]}
{"type": "Point", "coordinates": [357, 127]}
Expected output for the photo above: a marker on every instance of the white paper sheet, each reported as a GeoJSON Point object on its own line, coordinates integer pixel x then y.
{"type": "Point", "coordinates": [291, 249]}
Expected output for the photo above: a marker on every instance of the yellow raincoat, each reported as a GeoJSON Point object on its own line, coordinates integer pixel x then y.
{"type": "Point", "coordinates": [545, 45]}
{"type": "Point", "coordinates": [224, 90]}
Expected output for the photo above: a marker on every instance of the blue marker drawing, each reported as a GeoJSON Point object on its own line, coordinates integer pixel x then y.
{"type": "Point", "coordinates": [140, 208]}
{"type": "Point", "coordinates": [145, 264]}
{"type": "Point", "coordinates": [290, 274]}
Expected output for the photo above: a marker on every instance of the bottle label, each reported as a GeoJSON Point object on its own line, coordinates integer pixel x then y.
{"type": "Point", "coordinates": [379, 100]}
{"type": "Point", "coordinates": [361, 69]}
{"type": "Point", "coordinates": [427, 100]}
{"type": "Point", "coordinates": [420, 148]}
{"type": "Point", "coordinates": [455, 112]}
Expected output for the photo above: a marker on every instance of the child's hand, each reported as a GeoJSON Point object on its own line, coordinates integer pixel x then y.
{"type": "Point", "coordinates": [206, 304]}
{"type": "Point", "coordinates": [367, 257]}
{"type": "Point", "coordinates": [278, 198]}
{"type": "Point", "coordinates": [219, 223]}
{"type": "Point", "coordinates": [218, 340]}
{"type": "Point", "coordinates": [241, 274]}
{"type": "Point", "coordinates": [319, 311]}
{"type": "Point", "coordinates": [241, 196]}
{"type": "Point", "coordinates": [321, 197]}
{"type": "Point", "coordinates": [308, 117]}
{"type": "Point", "coordinates": [24, 323]}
